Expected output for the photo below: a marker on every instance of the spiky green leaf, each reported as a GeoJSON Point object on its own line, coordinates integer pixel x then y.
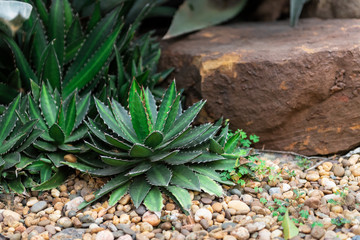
{"type": "Point", "coordinates": [139, 150]}
{"type": "Point", "coordinates": [51, 70]}
{"type": "Point", "coordinates": [118, 161]}
{"type": "Point", "coordinates": [70, 116]}
{"type": "Point", "coordinates": [11, 160]}
{"type": "Point", "coordinates": [116, 142]}
{"type": "Point", "coordinates": [21, 62]}
{"type": "Point", "coordinates": [184, 120]}
{"type": "Point", "coordinates": [181, 195]}
{"type": "Point", "coordinates": [182, 157]}
{"type": "Point", "coordinates": [8, 119]}
{"type": "Point", "coordinates": [165, 106]}
{"type": "Point", "coordinates": [44, 146]}
{"type": "Point", "coordinates": [139, 169]}
{"type": "Point", "coordinates": [48, 106]}
{"type": "Point", "coordinates": [56, 180]}
{"type": "Point", "coordinates": [118, 193]}
{"type": "Point", "coordinates": [154, 200]}
{"type": "Point", "coordinates": [123, 117]}
{"type": "Point", "coordinates": [108, 117]}
{"type": "Point", "coordinates": [207, 157]}
{"type": "Point", "coordinates": [93, 65]}
{"type": "Point", "coordinates": [210, 172]}
{"type": "Point", "coordinates": [17, 186]}
{"type": "Point", "coordinates": [210, 186]}
{"type": "Point", "coordinates": [172, 114]}
{"type": "Point", "coordinates": [185, 177]}
{"type": "Point", "coordinates": [56, 28]}
{"type": "Point", "coordinates": [78, 134]}
{"type": "Point", "coordinates": [139, 118]}
{"type": "Point", "coordinates": [108, 187]}
{"type": "Point", "coordinates": [159, 175]}
{"type": "Point", "coordinates": [139, 188]}
{"type": "Point", "coordinates": [57, 133]}
{"type": "Point", "coordinates": [92, 42]}
{"type": "Point", "coordinates": [232, 143]}
{"type": "Point", "coordinates": [150, 105]}
{"type": "Point", "coordinates": [163, 156]}
{"type": "Point", "coordinates": [104, 151]}
{"type": "Point", "coordinates": [82, 107]}
{"type": "Point", "coordinates": [154, 139]}
{"type": "Point", "coordinates": [215, 147]}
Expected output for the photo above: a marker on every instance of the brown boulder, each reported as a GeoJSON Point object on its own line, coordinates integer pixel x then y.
{"type": "Point", "coordinates": [332, 9]}
{"type": "Point", "coordinates": [296, 88]}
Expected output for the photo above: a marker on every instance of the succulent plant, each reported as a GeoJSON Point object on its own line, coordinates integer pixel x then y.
{"type": "Point", "coordinates": [54, 46]}
{"type": "Point", "coordinates": [151, 150]}
{"type": "Point", "coordinates": [139, 61]}
{"type": "Point", "coordinates": [14, 138]}
{"type": "Point", "coordinates": [60, 121]}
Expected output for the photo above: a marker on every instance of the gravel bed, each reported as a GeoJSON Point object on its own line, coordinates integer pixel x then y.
{"type": "Point", "coordinates": [329, 193]}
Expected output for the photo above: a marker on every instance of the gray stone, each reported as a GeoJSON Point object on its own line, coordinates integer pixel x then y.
{"type": "Point", "coordinates": [204, 223]}
{"type": "Point", "coordinates": [317, 232]}
{"type": "Point", "coordinates": [226, 225]}
{"type": "Point", "coordinates": [140, 210]}
{"type": "Point", "coordinates": [37, 207]}
{"type": "Point", "coordinates": [71, 214]}
{"type": "Point", "coordinates": [87, 219]}
{"type": "Point", "coordinates": [73, 204]}
{"type": "Point", "coordinates": [274, 190]}
{"type": "Point", "coordinates": [64, 222]}
{"type": "Point", "coordinates": [235, 191]}
{"type": "Point", "coordinates": [118, 233]}
{"type": "Point", "coordinates": [69, 234]}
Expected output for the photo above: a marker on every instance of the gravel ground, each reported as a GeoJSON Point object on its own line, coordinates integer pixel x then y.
{"type": "Point", "coordinates": [329, 193]}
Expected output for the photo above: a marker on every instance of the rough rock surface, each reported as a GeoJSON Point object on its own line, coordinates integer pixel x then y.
{"type": "Point", "coordinates": [296, 88]}
{"type": "Point", "coordinates": [332, 9]}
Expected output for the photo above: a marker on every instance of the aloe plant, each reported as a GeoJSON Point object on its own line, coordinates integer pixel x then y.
{"type": "Point", "coordinates": [60, 120]}
{"type": "Point", "coordinates": [14, 138]}
{"type": "Point", "coordinates": [54, 46]}
{"type": "Point", "coordinates": [150, 150]}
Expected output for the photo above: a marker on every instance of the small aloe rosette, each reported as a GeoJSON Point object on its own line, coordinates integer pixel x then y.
{"type": "Point", "coordinates": [150, 150]}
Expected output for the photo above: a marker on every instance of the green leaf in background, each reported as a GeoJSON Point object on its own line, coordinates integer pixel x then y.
{"type": "Point", "coordinates": [290, 230]}
{"type": "Point", "coordinates": [296, 7]}
{"type": "Point", "coordinates": [193, 15]}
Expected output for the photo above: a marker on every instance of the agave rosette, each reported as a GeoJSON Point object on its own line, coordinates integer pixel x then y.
{"type": "Point", "coordinates": [152, 151]}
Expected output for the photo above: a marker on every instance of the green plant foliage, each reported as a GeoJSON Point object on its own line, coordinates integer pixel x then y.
{"type": "Point", "coordinates": [290, 230]}
{"type": "Point", "coordinates": [14, 137]}
{"type": "Point", "coordinates": [339, 221]}
{"type": "Point", "coordinates": [296, 7]}
{"type": "Point", "coordinates": [55, 49]}
{"type": "Point", "coordinates": [61, 123]}
{"type": "Point", "coordinates": [153, 149]}
{"type": "Point", "coordinates": [56, 46]}
{"type": "Point", "coordinates": [197, 14]}
{"type": "Point", "coordinates": [235, 147]}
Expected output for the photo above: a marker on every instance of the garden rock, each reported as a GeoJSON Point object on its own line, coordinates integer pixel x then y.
{"type": "Point", "coordinates": [69, 234]}
{"type": "Point", "coordinates": [37, 207]}
{"type": "Point", "coordinates": [280, 83]}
